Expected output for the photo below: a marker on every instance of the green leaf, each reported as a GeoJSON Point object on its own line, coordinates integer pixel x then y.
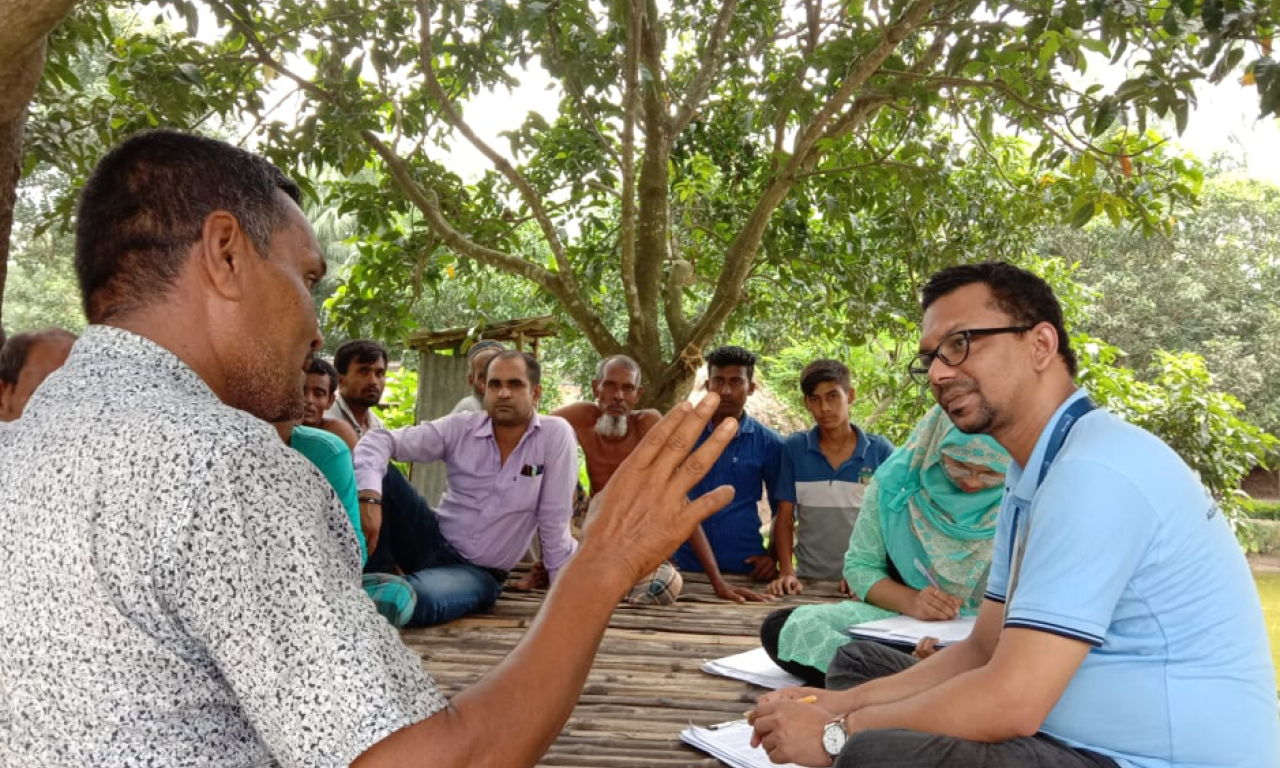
{"type": "Point", "coordinates": [1180, 115]}
{"type": "Point", "coordinates": [1108, 111]}
{"type": "Point", "coordinates": [1083, 214]}
{"type": "Point", "coordinates": [1212, 13]}
{"type": "Point", "coordinates": [1227, 63]}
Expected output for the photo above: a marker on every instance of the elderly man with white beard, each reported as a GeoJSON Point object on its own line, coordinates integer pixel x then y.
{"type": "Point", "coordinates": [608, 430]}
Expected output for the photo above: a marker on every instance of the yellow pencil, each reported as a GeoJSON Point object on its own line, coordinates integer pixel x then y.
{"type": "Point", "coordinates": [806, 700]}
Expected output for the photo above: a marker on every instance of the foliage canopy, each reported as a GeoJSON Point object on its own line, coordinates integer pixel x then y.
{"type": "Point", "coordinates": [698, 157]}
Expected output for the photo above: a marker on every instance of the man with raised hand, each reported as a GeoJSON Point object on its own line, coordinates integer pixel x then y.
{"type": "Point", "coordinates": [1121, 626]}
{"type": "Point", "coordinates": [223, 636]}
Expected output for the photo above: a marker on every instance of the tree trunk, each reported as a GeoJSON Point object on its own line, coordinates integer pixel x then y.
{"type": "Point", "coordinates": [10, 171]}
{"type": "Point", "coordinates": [27, 24]}
{"type": "Point", "coordinates": [664, 390]}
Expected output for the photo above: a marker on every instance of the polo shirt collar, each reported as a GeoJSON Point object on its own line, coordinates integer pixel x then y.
{"type": "Point", "coordinates": [813, 440]}
{"type": "Point", "coordinates": [1024, 481]}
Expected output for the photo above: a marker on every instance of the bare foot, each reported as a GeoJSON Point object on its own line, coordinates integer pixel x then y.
{"type": "Point", "coordinates": [536, 578]}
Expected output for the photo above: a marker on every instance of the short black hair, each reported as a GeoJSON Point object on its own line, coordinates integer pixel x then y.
{"type": "Point", "coordinates": [628, 362]}
{"type": "Point", "coordinates": [532, 367]}
{"type": "Point", "coordinates": [1019, 293]}
{"type": "Point", "coordinates": [14, 354]}
{"type": "Point", "coordinates": [147, 202]}
{"type": "Point", "coordinates": [322, 367]}
{"type": "Point", "coordinates": [729, 355]}
{"type": "Point", "coordinates": [359, 351]}
{"type": "Point", "coordinates": [822, 370]}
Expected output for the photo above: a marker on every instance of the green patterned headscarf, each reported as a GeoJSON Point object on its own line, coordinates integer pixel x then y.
{"type": "Point", "coordinates": [925, 516]}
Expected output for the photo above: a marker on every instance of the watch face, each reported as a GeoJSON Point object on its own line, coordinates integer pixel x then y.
{"type": "Point", "coordinates": [834, 737]}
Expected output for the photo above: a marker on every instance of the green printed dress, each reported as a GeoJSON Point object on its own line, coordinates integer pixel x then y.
{"type": "Point", "coordinates": [913, 511]}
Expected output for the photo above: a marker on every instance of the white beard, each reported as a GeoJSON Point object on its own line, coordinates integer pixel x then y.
{"type": "Point", "coordinates": [611, 426]}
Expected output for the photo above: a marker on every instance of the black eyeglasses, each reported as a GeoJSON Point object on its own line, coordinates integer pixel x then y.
{"type": "Point", "coordinates": [954, 350]}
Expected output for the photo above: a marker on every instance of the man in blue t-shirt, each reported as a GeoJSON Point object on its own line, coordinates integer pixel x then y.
{"type": "Point", "coordinates": [730, 540]}
{"type": "Point", "coordinates": [824, 475]}
{"type": "Point", "coordinates": [1121, 626]}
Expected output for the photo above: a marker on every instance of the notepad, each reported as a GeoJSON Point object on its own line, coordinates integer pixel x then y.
{"type": "Point", "coordinates": [908, 631]}
{"type": "Point", "coordinates": [730, 743]}
{"type": "Point", "coordinates": [753, 667]}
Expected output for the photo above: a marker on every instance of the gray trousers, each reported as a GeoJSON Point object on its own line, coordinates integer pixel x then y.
{"type": "Point", "coordinates": [860, 661]}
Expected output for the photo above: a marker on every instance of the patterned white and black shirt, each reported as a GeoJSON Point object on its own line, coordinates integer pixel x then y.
{"type": "Point", "coordinates": [177, 586]}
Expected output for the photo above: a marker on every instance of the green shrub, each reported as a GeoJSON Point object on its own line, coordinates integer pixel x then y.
{"type": "Point", "coordinates": [1261, 509]}
{"type": "Point", "coordinates": [1180, 405]}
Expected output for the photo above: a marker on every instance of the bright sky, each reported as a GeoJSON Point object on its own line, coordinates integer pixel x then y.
{"type": "Point", "coordinates": [1224, 120]}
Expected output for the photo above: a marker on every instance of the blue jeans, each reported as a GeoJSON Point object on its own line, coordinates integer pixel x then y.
{"type": "Point", "coordinates": [447, 584]}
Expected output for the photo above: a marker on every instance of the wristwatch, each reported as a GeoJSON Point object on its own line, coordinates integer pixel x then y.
{"type": "Point", "coordinates": [833, 737]}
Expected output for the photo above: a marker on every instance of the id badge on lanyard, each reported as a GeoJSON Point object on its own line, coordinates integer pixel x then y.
{"type": "Point", "coordinates": [1022, 507]}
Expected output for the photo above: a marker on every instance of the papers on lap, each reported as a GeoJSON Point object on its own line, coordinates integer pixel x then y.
{"type": "Point", "coordinates": [905, 630]}
{"type": "Point", "coordinates": [731, 744]}
{"type": "Point", "coordinates": [753, 667]}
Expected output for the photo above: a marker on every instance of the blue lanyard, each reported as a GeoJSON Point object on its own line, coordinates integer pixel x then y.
{"type": "Point", "coordinates": [1060, 431]}
{"type": "Point", "coordinates": [1066, 422]}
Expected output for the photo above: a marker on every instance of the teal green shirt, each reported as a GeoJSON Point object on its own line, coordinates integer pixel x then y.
{"type": "Point", "coordinates": [332, 457]}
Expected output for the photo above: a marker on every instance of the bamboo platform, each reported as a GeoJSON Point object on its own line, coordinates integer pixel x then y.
{"type": "Point", "coordinates": [646, 684]}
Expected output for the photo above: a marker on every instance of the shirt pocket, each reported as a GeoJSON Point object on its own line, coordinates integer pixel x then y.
{"type": "Point", "coordinates": [521, 494]}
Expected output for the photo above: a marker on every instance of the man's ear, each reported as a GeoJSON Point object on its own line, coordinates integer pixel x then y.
{"type": "Point", "coordinates": [639, 392]}
{"type": "Point", "coordinates": [333, 396]}
{"type": "Point", "coordinates": [1044, 346]}
{"type": "Point", "coordinates": [852, 395]}
{"type": "Point", "coordinates": [751, 387]}
{"type": "Point", "coordinates": [537, 393]}
{"type": "Point", "coordinates": [224, 255]}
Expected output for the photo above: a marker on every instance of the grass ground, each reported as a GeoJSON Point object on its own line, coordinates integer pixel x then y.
{"type": "Point", "coordinates": [1269, 591]}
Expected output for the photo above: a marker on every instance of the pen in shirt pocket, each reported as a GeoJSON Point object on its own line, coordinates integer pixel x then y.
{"type": "Point", "coordinates": [531, 470]}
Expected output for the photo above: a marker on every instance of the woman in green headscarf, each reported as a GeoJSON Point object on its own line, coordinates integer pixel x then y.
{"type": "Point", "coordinates": [930, 512]}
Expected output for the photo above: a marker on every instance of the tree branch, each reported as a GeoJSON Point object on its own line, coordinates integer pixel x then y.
{"type": "Point", "coordinates": [653, 187]}
{"type": "Point", "coordinates": [504, 167]}
{"type": "Point", "coordinates": [742, 251]}
{"type": "Point", "coordinates": [712, 57]}
{"type": "Point", "coordinates": [426, 201]}
{"type": "Point", "coordinates": [627, 232]}
{"type": "Point", "coordinates": [575, 89]}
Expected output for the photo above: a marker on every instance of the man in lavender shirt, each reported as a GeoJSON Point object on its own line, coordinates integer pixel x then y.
{"type": "Point", "coordinates": [511, 472]}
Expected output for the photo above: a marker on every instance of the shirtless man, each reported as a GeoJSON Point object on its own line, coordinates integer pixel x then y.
{"type": "Point", "coordinates": [608, 431]}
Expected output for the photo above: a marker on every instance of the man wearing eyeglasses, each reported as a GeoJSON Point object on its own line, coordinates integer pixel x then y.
{"type": "Point", "coordinates": [1120, 627]}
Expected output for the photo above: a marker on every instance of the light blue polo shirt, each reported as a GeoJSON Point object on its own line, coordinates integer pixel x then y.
{"type": "Point", "coordinates": [1126, 551]}
{"type": "Point", "coordinates": [827, 500]}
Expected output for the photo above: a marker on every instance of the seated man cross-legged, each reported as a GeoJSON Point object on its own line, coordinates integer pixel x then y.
{"type": "Point", "coordinates": [510, 471]}
{"type": "Point", "coordinates": [730, 540]}
{"type": "Point", "coordinates": [608, 431]}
